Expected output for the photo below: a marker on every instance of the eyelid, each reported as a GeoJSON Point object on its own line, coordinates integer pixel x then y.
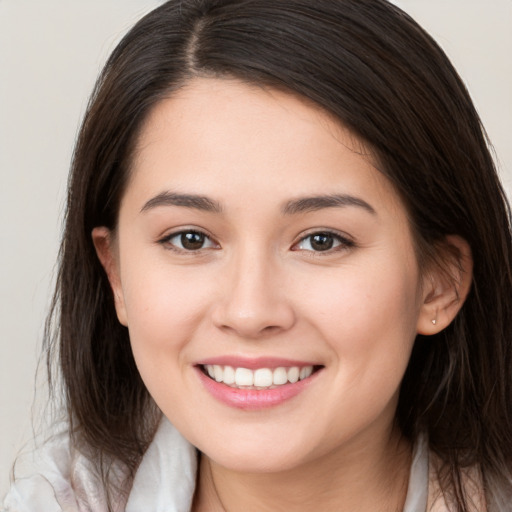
{"type": "Point", "coordinates": [166, 240]}
{"type": "Point", "coordinates": [345, 241]}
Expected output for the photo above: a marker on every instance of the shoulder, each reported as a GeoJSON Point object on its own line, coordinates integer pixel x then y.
{"type": "Point", "coordinates": [56, 477]}
{"type": "Point", "coordinates": [53, 476]}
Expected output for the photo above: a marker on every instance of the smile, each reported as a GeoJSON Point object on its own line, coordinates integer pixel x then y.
{"type": "Point", "coordinates": [267, 383]}
{"type": "Point", "coordinates": [260, 378]}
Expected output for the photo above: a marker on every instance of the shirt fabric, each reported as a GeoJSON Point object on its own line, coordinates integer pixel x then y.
{"type": "Point", "coordinates": [55, 478]}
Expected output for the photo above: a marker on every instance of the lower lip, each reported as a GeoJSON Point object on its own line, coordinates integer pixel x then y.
{"type": "Point", "coordinates": [253, 399]}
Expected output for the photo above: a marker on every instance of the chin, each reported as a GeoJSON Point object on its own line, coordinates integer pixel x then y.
{"type": "Point", "coordinates": [255, 462]}
{"type": "Point", "coordinates": [257, 454]}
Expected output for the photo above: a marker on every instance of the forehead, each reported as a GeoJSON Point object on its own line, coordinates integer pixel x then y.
{"type": "Point", "coordinates": [220, 134]}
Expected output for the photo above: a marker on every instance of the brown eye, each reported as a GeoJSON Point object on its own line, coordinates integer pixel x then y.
{"type": "Point", "coordinates": [188, 241]}
{"type": "Point", "coordinates": [192, 241]}
{"type": "Point", "coordinates": [323, 241]}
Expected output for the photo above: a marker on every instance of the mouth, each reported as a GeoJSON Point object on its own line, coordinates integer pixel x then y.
{"type": "Point", "coordinates": [253, 384]}
{"type": "Point", "coordinates": [259, 378]}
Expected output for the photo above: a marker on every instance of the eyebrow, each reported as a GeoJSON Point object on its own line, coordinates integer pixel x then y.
{"type": "Point", "coordinates": [295, 206]}
{"type": "Point", "coordinates": [186, 200]}
{"type": "Point", "coordinates": [314, 203]}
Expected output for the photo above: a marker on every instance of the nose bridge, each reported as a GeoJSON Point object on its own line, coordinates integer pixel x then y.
{"type": "Point", "coordinates": [254, 301]}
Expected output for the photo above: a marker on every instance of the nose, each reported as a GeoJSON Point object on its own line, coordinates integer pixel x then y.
{"type": "Point", "coordinates": [253, 302]}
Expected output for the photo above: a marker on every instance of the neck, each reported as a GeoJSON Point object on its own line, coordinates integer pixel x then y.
{"type": "Point", "coordinates": [355, 479]}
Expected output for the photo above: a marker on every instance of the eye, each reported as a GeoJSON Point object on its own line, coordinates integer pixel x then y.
{"type": "Point", "coordinates": [189, 241]}
{"type": "Point", "coordinates": [323, 241]}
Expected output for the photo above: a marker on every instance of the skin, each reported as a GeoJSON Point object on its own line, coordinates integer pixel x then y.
{"type": "Point", "coordinates": [258, 287]}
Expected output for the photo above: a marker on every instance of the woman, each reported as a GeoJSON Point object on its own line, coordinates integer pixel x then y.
{"type": "Point", "coordinates": [286, 246]}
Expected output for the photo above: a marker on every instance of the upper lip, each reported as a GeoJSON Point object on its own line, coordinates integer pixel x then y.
{"type": "Point", "coordinates": [253, 363]}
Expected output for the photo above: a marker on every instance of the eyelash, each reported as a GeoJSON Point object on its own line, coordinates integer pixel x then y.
{"type": "Point", "coordinates": [166, 241]}
{"type": "Point", "coordinates": [343, 242]}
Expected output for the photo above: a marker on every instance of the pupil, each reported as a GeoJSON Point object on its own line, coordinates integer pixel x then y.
{"type": "Point", "coordinates": [192, 241]}
{"type": "Point", "coordinates": [322, 242]}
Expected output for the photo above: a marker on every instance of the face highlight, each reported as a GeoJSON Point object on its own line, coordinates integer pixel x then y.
{"type": "Point", "coordinates": [266, 273]}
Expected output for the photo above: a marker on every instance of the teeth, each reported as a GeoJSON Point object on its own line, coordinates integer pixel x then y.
{"type": "Point", "coordinates": [305, 372]}
{"type": "Point", "coordinates": [293, 374]}
{"type": "Point", "coordinates": [280, 376]}
{"type": "Point", "coordinates": [229, 375]}
{"type": "Point", "coordinates": [259, 379]}
{"type": "Point", "coordinates": [244, 377]}
{"type": "Point", "coordinates": [218, 374]}
{"type": "Point", "coordinates": [263, 378]}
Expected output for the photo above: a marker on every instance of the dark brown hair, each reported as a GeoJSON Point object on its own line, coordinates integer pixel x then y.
{"type": "Point", "coordinates": [373, 68]}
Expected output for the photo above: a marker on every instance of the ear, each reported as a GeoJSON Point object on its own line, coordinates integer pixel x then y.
{"type": "Point", "coordinates": [106, 251]}
{"type": "Point", "coordinates": [446, 286]}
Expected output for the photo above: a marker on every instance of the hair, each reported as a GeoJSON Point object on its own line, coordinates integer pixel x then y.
{"type": "Point", "coordinates": [383, 77]}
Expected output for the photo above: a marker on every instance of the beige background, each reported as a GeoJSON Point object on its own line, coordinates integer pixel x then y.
{"type": "Point", "coordinates": [50, 54]}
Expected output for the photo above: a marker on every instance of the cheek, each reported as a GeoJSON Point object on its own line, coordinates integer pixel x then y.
{"type": "Point", "coordinates": [370, 326]}
{"type": "Point", "coordinates": [164, 309]}
{"type": "Point", "coordinates": [387, 304]}
{"type": "Point", "coordinates": [360, 295]}
{"type": "Point", "coordinates": [368, 316]}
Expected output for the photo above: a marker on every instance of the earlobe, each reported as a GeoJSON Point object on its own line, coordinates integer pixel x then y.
{"type": "Point", "coordinates": [106, 252]}
{"type": "Point", "coordinates": [446, 286]}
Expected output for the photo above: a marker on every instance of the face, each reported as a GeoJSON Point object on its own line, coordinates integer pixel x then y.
{"type": "Point", "coordinates": [266, 272]}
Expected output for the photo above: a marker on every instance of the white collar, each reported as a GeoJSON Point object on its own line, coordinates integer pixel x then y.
{"type": "Point", "coordinates": [417, 491]}
{"type": "Point", "coordinates": [167, 482]}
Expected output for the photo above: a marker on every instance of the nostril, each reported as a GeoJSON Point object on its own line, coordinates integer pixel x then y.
{"type": "Point", "coordinates": [270, 329]}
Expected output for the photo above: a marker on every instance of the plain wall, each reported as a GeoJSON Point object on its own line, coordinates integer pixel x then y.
{"type": "Point", "coordinates": [50, 54]}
